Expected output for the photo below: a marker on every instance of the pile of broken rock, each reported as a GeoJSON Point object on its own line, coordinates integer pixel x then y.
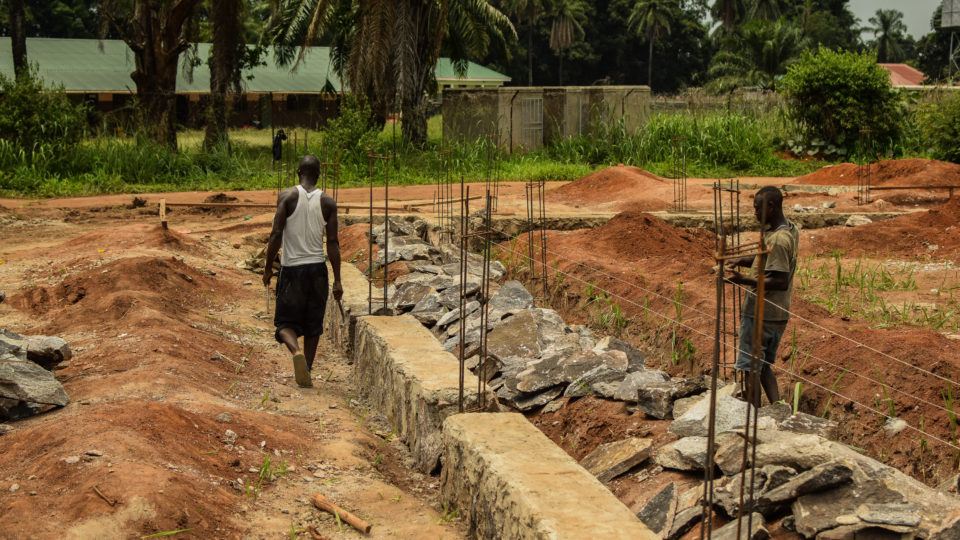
{"type": "Point", "coordinates": [27, 384]}
{"type": "Point", "coordinates": [533, 356]}
{"type": "Point", "coordinates": [814, 486]}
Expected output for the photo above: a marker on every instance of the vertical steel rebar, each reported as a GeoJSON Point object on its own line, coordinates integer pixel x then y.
{"type": "Point", "coordinates": [386, 233]}
{"type": "Point", "coordinates": [531, 254]}
{"type": "Point", "coordinates": [541, 189]}
{"type": "Point", "coordinates": [370, 169]}
{"type": "Point", "coordinates": [463, 289]}
{"type": "Point", "coordinates": [753, 386]}
{"type": "Point", "coordinates": [485, 298]}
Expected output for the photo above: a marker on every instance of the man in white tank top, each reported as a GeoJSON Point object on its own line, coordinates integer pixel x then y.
{"type": "Point", "coordinates": [305, 218]}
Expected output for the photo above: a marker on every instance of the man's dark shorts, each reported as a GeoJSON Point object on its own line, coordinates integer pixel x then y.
{"type": "Point", "coordinates": [772, 333]}
{"type": "Point", "coordinates": [301, 299]}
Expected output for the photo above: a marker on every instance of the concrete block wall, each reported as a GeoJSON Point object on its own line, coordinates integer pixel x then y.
{"type": "Point", "coordinates": [526, 118]}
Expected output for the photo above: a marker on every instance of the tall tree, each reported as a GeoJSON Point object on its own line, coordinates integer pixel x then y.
{"type": "Point", "coordinates": [652, 19]}
{"type": "Point", "coordinates": [889, 34]}
{"type": "Point", "coordinates": [225, 16]}
{"type": "Point", "coordinates": [769, 10]}
{"type": "Point", "coordinates": [729, 13]}
{"type": "Point", "coordinates": [760, 52]}
{"type": "Point", "coordinates": [394, 46]}
{"type": "Point", "coordinates": [933, 51]}
{"type": "Point", "coordinates": [18, 38]}
{"type": "Point", "coordinates": [529, 12]}
{"type": "Point", "coordinates": [566, 27]}
{"type": "Point", "coordinates": [157, 31]}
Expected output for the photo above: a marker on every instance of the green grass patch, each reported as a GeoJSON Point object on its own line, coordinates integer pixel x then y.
{"type": "Point", "coordinates": [715, 145]}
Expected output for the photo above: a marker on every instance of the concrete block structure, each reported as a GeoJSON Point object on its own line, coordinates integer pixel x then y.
{"type": "Point", "coordinates": [527, 118]}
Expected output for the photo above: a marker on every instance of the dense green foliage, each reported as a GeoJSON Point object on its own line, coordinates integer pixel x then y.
{"type": "Point", "coordinates": [33, 116]}
{"type": "Point", "coordinates": [716, 144]}
{"type": "Point", "coordinates": [939, 124]}
{"type": "Point", "coordinates": [844, 100]}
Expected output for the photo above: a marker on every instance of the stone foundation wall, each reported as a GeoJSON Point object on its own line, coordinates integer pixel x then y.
{"type": "Point", "coordinates": [508, 480]}
{"type": "Point", "coordinates": [405, 374]}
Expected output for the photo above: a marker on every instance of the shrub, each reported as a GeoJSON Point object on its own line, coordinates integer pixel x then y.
{"type": "Point", "coordinates": [34, 116]}
{"type": "Point", "coordinates": [351, 133]}
{"type": "Point", "coordinates": [939, 124]}
{"type": "Point", "coordinates": [843, 99]}
{"type": "Point", "coordinates": [730, 140]}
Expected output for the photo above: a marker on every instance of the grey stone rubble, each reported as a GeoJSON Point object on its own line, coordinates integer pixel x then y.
{"type": "Point", "coordinates": [820, 488]}
{"type": "Point", "coordinates": [27, 384]}
{"type": "Point", "coordinates": [611, 460]}
{"type": "Point", "coordinates": [534, 356]}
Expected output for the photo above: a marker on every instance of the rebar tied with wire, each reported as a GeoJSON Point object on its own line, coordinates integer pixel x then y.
{"type": "Point", "coordinates": [724, 254]}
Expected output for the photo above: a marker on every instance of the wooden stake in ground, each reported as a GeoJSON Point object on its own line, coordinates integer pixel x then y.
{"type": "Point", "coordinates": [327, 505]}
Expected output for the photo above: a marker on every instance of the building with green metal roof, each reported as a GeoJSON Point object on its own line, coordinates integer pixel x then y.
{"type": "Point", "coordinates": [98, 71]}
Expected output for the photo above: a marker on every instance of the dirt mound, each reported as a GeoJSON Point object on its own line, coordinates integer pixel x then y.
{"type": "Point", "coordinates": [902, 172]}
{"type": "Point", "coordinates": [220, 198]}
{"type": "Point", "coordinates": [633, 235]}
{"type": "Point", "coordinates": [934, 233]}
{"type": "Point", "coordinates": [138, 235]}
{"type": "Point", "coordinates": [107, 293]}
{"type": "Point", "coordinates": [621, 183]}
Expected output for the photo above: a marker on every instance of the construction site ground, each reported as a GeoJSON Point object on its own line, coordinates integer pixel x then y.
{"type": "Point", "coordinates": [169, 333]}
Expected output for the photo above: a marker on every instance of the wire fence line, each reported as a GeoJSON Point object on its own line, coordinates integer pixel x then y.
{"type": "Point", "coordinates": [810, 355]}
{"type": "Point", "coordinates": [771, 364]}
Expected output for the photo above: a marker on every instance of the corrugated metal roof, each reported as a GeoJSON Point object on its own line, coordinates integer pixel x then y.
{"type": "Point", "coordinates": [904, 75]}
{"type": "Point", "coordinates": [89, 65]}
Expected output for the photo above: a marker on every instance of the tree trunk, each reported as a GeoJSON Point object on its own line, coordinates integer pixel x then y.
{"type": "Point", "coordinates": [530, 29]}
{"type": "Point", "coordinates": [18, 38]}
{"type": "Point", "coordinates": [414, 126]}
{"type": "Point", "coordinates": [560, 74]}
{"type": "Point", "coordinates": [223, 69]}
{"type": "Point", "coordinates": [157, 32]}
{"type": "Point", "coordinates": [650, 65]}
{"type": "Point", "coordinates": [156, 80]}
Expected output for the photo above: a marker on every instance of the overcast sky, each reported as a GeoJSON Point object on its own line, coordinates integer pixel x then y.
{"type": "Point", "coordinates": [916, 13]}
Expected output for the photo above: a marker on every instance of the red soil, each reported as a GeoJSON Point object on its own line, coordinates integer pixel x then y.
{"type": "Point", "coordinates": [619, 188]}
{"type": "Point", "coordinates": [902, 172]}
{"type": "Point", "coordinates": [912, 235]}
{"type": "Point", "coordinates": [107, 293]}
{"type": "Point", "coordinates": [641, 261]}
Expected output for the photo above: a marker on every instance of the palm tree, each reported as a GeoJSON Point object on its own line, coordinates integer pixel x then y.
{"type": "Point", "coordinates": [888, 30]}
{"type": "Point", "coordinates": [18, 37]}
{"type": "Point", "coordinates": [729, 13]}
{"type": "Point", "coordinates": [224, 66]}
{"type": "Point", "coordinates": [760, 53]}
{"type": "Point", "coordinates": [388, 49]}
{"type": "Point", "coordinates": [528, 11]}
{"type": "Point", "coordinates": [567, 27]}
{"type": "Point", "coordinates": [769, 10]}
{"type": "Point", "coordinates": [157, 31]}
{"type": "Point", "coordinates": [652, 19]}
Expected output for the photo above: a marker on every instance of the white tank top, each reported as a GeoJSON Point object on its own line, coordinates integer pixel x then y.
{"type": "Point", "coordinates": [304, 231]}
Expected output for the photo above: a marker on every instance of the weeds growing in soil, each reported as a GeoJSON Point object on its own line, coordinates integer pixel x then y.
{"type": "Point", "coordinates": [857, 290]}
